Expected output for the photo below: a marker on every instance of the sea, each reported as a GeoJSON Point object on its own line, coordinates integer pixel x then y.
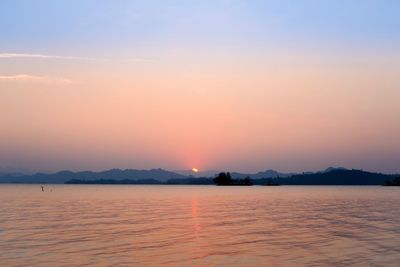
{"type": "Point", "coordinates": [183, 225]}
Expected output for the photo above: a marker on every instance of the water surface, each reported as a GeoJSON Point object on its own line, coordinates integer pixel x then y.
{"type": "Point", "coordinates": [135, 225]}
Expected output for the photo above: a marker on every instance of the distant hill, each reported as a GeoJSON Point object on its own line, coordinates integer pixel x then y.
{"type": "Point", "coordinates": [333, 169]}
{"type": "Point", "coordinates": [4, 170]}
{"type": "Point", "coordinates": [336, 176]}
{"type": "Point", "coordinates": [260, 175]}
{"type": "Point", "coordinates": [114, 174]}
{"type": "Point", "coordinates": [189, 173]}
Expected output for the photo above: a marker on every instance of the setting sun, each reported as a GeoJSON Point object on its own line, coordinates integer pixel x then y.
{"type": "Point", "coordinates": [195, 170]}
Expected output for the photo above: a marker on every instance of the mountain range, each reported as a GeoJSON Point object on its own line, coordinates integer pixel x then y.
{"type": "Point", "coordinates": [115, 174]}
{"type": "Point", "coordinates": [329, 176]}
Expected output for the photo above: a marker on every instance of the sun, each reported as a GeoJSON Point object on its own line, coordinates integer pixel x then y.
{"type": "Point", "coordinates": [195, 170]}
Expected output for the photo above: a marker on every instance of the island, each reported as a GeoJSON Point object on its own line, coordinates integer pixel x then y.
{"type": "Point", "coordinates": [226, 179]}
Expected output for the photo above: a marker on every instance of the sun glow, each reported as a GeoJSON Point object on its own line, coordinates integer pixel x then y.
{"type": "Point", "coordinates": [195, 170]}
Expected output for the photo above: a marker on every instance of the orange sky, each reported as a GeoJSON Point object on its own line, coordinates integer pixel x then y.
{"type": "Point", "coordinates": [226, 112]}
{"type": "Point", "coordinates": [223, 85]}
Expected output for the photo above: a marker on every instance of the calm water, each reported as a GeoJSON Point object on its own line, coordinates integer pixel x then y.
{"type": "Point", "coordinates": [77, 225]}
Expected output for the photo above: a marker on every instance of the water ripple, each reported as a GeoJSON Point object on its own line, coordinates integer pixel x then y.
{"type": "Point", "coordinates": [199, 226]}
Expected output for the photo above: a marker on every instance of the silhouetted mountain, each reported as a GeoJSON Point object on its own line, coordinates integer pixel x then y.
{"type": "Point", "coordinates": [7, 170]}
{"type": "Point", "coordinates": [210, 173]}
{"type": "Point", "coordinates": [393, 182]}
{"type": "Point", "coordinates": [333, 169]}
{"type": "Point", "coordinates": [260, 175]}
{"type": "Point", "coordinates": [114, 174]}
{"type": "Point", "coordinates": [336, 176]}
{"type": "Point", "coordinates": [330, 176]}
{"type": "Point", "coordinates": [14, 174]}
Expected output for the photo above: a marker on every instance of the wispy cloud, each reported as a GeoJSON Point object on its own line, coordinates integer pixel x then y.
{"type": "Point", "coordinates": [41, 56]}
{"type": "Point", "coordinates": [44, 56]}
{"type": "Point", "coordinates": [34, 78]}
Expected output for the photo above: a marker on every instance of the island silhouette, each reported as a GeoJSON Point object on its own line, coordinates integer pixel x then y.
{"type": "Point", "coordinates": [393, 182]}
{"type": "Point", "coordinates": [226, 179]}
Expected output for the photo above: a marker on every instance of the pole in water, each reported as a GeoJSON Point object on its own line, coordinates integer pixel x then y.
{"type": "Point", "coordinates": [42, 188]}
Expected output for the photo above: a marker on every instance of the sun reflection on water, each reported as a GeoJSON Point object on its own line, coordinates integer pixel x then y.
{"type": "Point", "coordinates": [196, 224]}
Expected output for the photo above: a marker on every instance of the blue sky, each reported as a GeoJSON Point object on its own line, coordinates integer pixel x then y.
{"type": "Point", "coordinates": [87, 27]}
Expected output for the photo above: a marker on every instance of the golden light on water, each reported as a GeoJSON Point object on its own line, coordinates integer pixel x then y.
{"type": "Point", "coordinates": [195, 170]}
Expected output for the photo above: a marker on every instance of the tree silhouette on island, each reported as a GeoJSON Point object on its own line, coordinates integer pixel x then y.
{"type": "Point", "coordinates": [226, 179]}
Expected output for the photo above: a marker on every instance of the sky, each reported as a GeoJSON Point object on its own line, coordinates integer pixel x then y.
{"type": "Point", "coordinates": [216, 85]}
